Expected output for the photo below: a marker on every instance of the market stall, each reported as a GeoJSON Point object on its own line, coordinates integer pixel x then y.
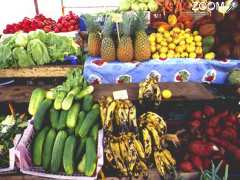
{"type": "Point", "coordinates": [148, 90]}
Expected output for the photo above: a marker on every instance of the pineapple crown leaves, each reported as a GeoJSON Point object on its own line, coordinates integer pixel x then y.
{"type": "Point", "coordinates": [140, 23]}
{"type": "Point", "coordinates": [92, 24]}
{"type": "Point", "coordinates": [126, 26]}
{"type": "Point", "coordinates": [108, 27]}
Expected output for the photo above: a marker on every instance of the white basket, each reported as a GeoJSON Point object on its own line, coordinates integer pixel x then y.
{"type": "Point", "coordinates": [23, 153]}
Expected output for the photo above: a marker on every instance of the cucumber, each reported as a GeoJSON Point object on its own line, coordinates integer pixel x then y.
{"type": "Point", "coordinates": [54, 116]}
{"type": "Point", "coordinates": [41, 113]}
{"type": "Point", "coordinates": [67, 102]}
{"type": "Point", "coordinates": [57, 152]}
{"type": "Point", "coordinates": [94, 132]}
{"type": "Point", "coordinates": [91, 157]}
{"type": "Point", "coordinates": [88, 122]}
{"type": "Point", "coordinates": [38, 146]}
{"type": "Point", "coordinates": [73, 115]}
{"type": "Point", "coordinates": [62, 120]}
{"type": "Point", "coordinates": [87, 103]}
{"type": "Point", "coordinates": [95, 106]}
{"type": "Point", "coordinates": [82, 164]}
{"type": "Point", "coordinates": [81, 149]}
{"type": "Point", "coordinates": [51, 94]}
{"type": "Point", "coordinates": [48, 147]}
{"type": "Point", "coordinates": [59, 99]}
{"type": "Point", "coordinates": [86, 91]}
{"type": "Point", "coordinates": [80, 120]}
{"type": "Point", "coordinates": [68, 155]}
{"type": "Point", "coordinates": [85, 84]}
{"type": "Point", "coordinates": [38, 95]}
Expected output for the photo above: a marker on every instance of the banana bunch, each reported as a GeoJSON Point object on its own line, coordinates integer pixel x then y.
{"type": "Point", "coordinates": [125, 153]}
{"type": "Point", "coordinates": [118, 115]}
{"type": "Point", "coordinates": [149, 91]}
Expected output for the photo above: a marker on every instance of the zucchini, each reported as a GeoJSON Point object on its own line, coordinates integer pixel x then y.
{"type": "Point", "coordinates": [62, 120]}
{"type": "Point", "coordinates": [88, 122]}
{"type": "Point", "coordinates": [86, 91]}
{"type": "Point", "coordinates": [59, 99]}
{"type": "Point", "coordinates": [41, 113]}
{"type": "Point", "coordinates": [87, 103]}
{"type": "Point", "coordinates": [48, 147]}
{"type": "Point", "coordinates": [67, 102]}
{"type": "Point", "coordinates": [94, 132]}
{"type": "Point", "coordinates": [68, 155]}
{"type": "Point", "coordinates": [80, 120]}
{"type": "Point", "coordinates": [38, 146]}
{"type": "Point", "coordinates": [91, 157]}
{"type": "Point", "coordinates": [38, 95]}
{"type": "Point", "coordinates": [54, 116]}
{"type": "Point", "coordinates": [57, 152]}
{"type": "Point", "coordinates": [85, 84]}
{"type": "Point", "coordinates": [73, 115]}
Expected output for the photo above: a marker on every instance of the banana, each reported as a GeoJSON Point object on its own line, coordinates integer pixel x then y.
{"type": "Point", "coordinates": [154, 135]}
{"type": "Point", "coordinates": [123, 149]}
{"type": "Point", "coordinates": [147, 141]}
{"type": "Point", "coordinates": [139, 147]}
{"type": "Point", "coordinates": [110, 116]}
{"type": "Point", "coordinates": [118, 158]}
{"type": "Point", "coordinates": [166, 162]}
{"type": "Point", "coordinates": [133, 117]}
{"type": "Point", "coordinates": [159, 163]}
{"type": "Point", "coordinates": [122, 113]}
{"type": "Point", "coordinates": [168, 155]}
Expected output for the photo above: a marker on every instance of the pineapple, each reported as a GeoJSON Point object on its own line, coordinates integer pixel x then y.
{"type": "Point", "coordinates": [125, 45]}
{"type": "Point", "coordinates": [108, 50]}
{"type": "Point", "coordinates": [141, 44]}
{"type": "Point", "coordinates": [94, 39]}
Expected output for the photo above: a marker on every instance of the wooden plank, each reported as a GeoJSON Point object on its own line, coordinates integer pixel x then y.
{"type": "Point", "coordinates": [181, 91]}
{"type": "Point", "coordinates": [41, 71]}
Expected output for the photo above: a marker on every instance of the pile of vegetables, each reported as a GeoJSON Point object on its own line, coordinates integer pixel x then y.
{"type": "Point", "coordinates": [66, 23]}
{"type": "Point", "coordinates": [136, 5]}
{"type": "Point", "coordinates": [10, 126]}
{"type": "Point", "coordinates": [36, 48]}
{"type": "Point", "coordinates": [65, 119]}
{"type": "Point", "coordinates": [211, 136]}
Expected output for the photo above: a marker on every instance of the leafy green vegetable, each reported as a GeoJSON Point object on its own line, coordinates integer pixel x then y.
{"type": "Point", "coordinates": [38, 52]}
{"type": "Point", "coordinates": [6, 59]}
{"type": "Point", "coordinates": [22, 57]}
{"type": "Point", "coordinates": [21, 39]}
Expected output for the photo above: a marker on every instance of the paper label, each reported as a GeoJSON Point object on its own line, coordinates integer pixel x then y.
{"type": "Point", "coordinates": [121, 94]}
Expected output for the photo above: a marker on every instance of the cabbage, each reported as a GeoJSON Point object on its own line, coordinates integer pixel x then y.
{"type": "Point", "coordinates": [153, 6]}
{"type": "Point", "coordinates": [21, 40]}
{"type": "Point", "coordinates": [6, 59]}
{"type": "Point", "coordinates": [135, 7]}
{"type": "Point", "coordinates": [124, 5]}
{"type": "Point", "coordinates": [39, 34]}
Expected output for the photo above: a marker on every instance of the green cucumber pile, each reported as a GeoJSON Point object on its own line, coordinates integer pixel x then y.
{"type": "Point", "coordinates": [65, 119]}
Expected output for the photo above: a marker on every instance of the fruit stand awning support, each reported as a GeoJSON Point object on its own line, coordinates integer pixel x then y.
{"type": "Point", "coordinates": [36, 6]}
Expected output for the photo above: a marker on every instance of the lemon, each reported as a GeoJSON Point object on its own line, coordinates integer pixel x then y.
{"type": "Point", "coordinates": [198, 38]}
{"type": "Point", "coordinates": [158, 47]}
{"type": "Point", "coordinates": [171, 46]}
{"type": "Point", "coordinates": [163, 43]}
{"type": "Point", "coordinates": [199, 50]}
{"type": "Point", "coordinates": [169, 39]}
{"type": "Point", "coordinates": [176, 41]}
{"type": "Point", "coordinates": [187, 30]}
{"type": "Point", "coordinates": [195, 32]}
{"type": "Point", "coordinates": [189, 39]}
{"type": "Point", "coordinates": [192, 44]}
{"type": "Point", "coordinates": [153, 49]}
{"type": "Point", "coordinates": [161, 29]}
{"type": "Point", "coordinates": [179, 49]}
{"type": "Point", "coordinates": [164, 49]}
{"type": "Point", "coordinates": [199, 44]}
{"type": "Point", "coordinates": [177, 55]}
{"type": "Point", "coordinates": [176, 29]}
{"type": "Point", "coordinates": [192, 55]}
{"type": "Point", "coordinates": [183, 47]}
{"type": "Point", "coordinates": [190, 48]}
{"type": "Point", "coordinates": [184, 55]}
{"type": "Point", "coordinates": [210, 56]}
{"type": "Point", "coordinates": [152, 38]}
{"type": "Point", "coordinates": [152, 44]}
{"type": "Point", "coordinates": [166, 34]}
{"type": "Point", "coordinates": [163, 55]}
{"type": "Point", "coordinates": [166, 94]}
{"type": "Point", "coordinates": [170, 55]}
{"type": "Point", "coordinates": [186, 35]}
{"type": "Point", "coordinates": [155, 56]}
{"type": "Point", "coordinates": [182, 42]}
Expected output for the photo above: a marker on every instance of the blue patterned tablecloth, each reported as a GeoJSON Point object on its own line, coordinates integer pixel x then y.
{"type": "Point", "coordinates": [169, 70]}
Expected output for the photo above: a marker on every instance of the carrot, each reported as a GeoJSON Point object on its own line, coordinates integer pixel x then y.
{"type": "Point", "coordinates": [227, 146]}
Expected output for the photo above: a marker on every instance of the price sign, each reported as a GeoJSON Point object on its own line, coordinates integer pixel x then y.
{"type": "Point", "coordinates": [121, 94]}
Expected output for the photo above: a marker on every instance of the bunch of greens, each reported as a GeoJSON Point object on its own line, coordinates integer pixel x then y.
{"type": "Point", "coordinates": [10, 126]}
{"type": "Point", "coordinates": [36, 48]}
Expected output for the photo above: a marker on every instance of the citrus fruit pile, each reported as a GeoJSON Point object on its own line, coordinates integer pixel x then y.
{"type": "Point", "coordinates": [176, 43]}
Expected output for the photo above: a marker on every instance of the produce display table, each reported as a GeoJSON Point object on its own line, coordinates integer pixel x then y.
{"type": "Point", "coordinates": [170, 70]}
{"type": "Point", "coordinates": [181, 91]}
